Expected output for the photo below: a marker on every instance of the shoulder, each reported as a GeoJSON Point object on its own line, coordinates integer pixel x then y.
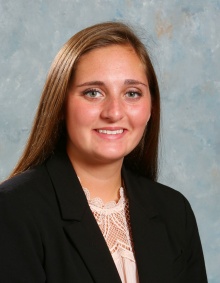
{"type": "Point", "coordinates": [26, 182]}
{"type": "Point", "coordinates": [26, 193]}
{"type": "Point", "coordinates": [168, 200]}
{"type": "Point", "coordinates": [164, 196]}
{"type": "Point", "coordinates": [146, 188]}
{"type": "Point", "coordinates": [23, 180]}
{"type": "Point", "coordinates": [170, 204]}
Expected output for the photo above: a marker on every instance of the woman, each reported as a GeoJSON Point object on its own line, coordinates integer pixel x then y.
{"type": "Point", "coordinates": [82, 204]}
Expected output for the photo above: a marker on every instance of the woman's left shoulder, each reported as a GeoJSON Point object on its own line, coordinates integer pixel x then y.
{"type": "Point", "coordinates": [166, 193]}
{"type": "Point", "coordinates": [168, 201]}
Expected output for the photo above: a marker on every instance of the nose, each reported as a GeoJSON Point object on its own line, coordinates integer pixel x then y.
{"type": "Point", "coordinates": [113, 109]}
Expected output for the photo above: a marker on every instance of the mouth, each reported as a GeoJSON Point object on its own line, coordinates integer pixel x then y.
{"type": "Point", "coordinates": [110, 132]}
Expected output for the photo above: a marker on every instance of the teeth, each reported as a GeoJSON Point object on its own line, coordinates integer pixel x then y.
{"type": "Point", "coordinates": [111, 132]}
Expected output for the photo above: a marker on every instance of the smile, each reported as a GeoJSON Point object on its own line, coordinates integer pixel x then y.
{"type": "Point", "coordinates": [108, 132]}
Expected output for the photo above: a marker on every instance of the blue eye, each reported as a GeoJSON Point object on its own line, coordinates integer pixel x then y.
{"type": "Point", "coordinates": [92, 93]}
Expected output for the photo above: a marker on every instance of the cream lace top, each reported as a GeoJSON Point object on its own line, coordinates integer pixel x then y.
{"type": "Point", "coordinates": [113, 220]}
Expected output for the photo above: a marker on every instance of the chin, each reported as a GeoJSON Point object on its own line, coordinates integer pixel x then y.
{"type": "Point", "coordinates": [111, 157]}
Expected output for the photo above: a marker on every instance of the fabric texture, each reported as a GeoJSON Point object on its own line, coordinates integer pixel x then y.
{"type": "Point", "coordinates": [114, 222]}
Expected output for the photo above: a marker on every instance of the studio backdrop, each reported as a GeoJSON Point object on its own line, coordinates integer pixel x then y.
{"type": "Point", "coordinates": [183, 38]}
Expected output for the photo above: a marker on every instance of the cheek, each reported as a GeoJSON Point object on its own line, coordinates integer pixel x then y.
{"type": "Point", "coordinates": [140, 115]}
{"type": "Point", "coordinates": [79, 114]}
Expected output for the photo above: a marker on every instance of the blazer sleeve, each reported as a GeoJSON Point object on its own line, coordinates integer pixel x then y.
{"type": "Point", "coordinates": [193, 255]}
{"type": "Point", "coordinates": [21, 251]}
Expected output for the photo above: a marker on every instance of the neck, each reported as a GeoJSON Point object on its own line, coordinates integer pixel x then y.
{"type": "Point", "coordinates": [102, 180]}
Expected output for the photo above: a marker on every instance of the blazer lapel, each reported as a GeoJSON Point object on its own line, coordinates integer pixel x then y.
{"type": "Point", "coordinates": [149, 234]}
{"type": "Point", "coordinates": [86, 236]}
{"type": "Point", "coordinates": [80, 225]}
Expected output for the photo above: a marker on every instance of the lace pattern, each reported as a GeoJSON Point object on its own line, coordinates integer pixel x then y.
{"type": "Point", "coordinates": [114, 222]}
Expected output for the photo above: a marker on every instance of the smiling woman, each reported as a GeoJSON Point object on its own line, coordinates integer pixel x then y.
{"type": "Point", "coordinates": [83, 204]}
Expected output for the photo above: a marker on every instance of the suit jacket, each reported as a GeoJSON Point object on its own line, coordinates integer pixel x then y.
{"type": "Point", "coordinates": [49, 234]}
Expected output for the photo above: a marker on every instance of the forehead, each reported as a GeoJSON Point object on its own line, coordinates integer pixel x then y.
{"type": "Point", "coordinates": [111, 49]}
{"type": "Point", "coordinates": [119, 59]}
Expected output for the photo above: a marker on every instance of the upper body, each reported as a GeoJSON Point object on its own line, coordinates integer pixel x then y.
{"type": "Point", "coordinates": [48, 233]}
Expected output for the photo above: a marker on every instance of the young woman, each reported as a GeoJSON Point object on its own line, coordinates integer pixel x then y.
{"type": "Point", "coordinates": [83, 204]}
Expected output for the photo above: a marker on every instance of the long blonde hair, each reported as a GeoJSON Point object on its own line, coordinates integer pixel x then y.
{"type": "Point", "coordinates": [49, 123]}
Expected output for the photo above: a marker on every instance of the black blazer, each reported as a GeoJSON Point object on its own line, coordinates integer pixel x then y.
{"type": "Point", "coordinates": [48, 232]}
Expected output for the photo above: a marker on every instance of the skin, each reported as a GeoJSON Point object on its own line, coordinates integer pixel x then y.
{"type": "Point", "coordinates": [107, 109]}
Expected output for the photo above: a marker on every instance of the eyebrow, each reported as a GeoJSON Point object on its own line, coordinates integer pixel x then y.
{"type": "Point", "coordinates": [100, 83]}
{"type": "Point", "coordinates": [91, 83]}
{"type": "Point", "coordinates": [134, 82]}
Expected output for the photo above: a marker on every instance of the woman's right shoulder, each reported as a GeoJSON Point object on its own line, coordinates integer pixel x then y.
{"type": "Point", "coordinates": [26, 185]}
{"type": "Point", "coordinates": [25, 200]}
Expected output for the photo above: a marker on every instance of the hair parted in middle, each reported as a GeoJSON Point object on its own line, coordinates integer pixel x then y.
{"type": "Point", "coordinates": [49, 123]}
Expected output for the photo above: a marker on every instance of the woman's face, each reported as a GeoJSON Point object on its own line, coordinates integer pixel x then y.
{"type": "Point", "coordinates": [108, 105]}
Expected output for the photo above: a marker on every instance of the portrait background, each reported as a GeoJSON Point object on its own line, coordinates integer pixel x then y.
{"type": "Point", "coordinates": [183, 38]}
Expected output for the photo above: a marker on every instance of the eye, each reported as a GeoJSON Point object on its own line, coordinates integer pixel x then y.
{"type": "Point", "coordinates": [133, 94]}
{"type": "Point", "coordinates": [92, 93]}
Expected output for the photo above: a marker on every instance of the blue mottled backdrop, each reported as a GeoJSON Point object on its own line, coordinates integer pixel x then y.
{"type": "Point", "coordinates": [184, 40]}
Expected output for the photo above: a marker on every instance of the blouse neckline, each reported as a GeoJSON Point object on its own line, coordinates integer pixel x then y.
{"type": "Point", "coordinates": [98, 202]}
